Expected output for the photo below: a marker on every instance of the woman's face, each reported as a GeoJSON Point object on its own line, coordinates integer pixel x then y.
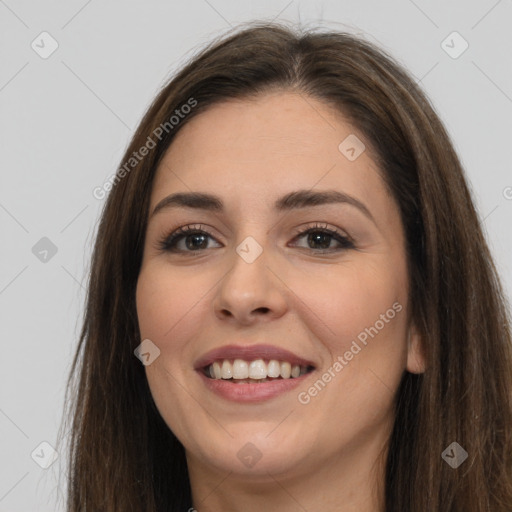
{"type": "Point", "coordinates": [247, 285]}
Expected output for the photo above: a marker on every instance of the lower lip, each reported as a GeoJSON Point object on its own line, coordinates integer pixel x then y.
{"type": "Point", "coordinates": [252, 392]}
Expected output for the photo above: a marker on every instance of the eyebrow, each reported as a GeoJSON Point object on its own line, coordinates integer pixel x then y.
{"type": "Point", "coordinates": [290, 201]}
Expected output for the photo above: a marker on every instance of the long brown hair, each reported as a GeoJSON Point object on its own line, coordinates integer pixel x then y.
{"type": "Point", "coordinates": [122, 455]}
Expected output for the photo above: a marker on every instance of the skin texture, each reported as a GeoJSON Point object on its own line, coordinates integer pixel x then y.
{"type": "Point", "coordinates": [327, 454]}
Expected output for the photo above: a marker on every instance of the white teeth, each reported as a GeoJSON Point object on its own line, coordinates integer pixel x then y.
{"type": "Point", "coordinates": [273, 368]}
{"type": "Point", "coordinates": [286, 370]}
{"type": "Point", "coordinates": [217, 372]}
{"type": "Point", "coordinates": [258, 369]}
{"type": "Point", "coordinates": [241, 372]}
{"type": "Point", "coordinates": [226, 370]}
{"type": "Point", "coordinates": [240, 369]}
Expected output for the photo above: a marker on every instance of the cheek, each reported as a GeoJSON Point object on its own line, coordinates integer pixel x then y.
{"type": "Point", "coordinates": [166, 303]}
{"type": "Point", "coordinates": [367, 296]}
{"type": "Point", "coordinates": [168, 310]}
{"type": "Point", "coordinates": [363, 328]}
{"type": "Point", "coordinates": [367, 313]}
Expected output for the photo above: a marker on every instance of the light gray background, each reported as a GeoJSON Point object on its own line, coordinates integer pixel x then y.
{"type": "Point", "coordinates": [66, 120]}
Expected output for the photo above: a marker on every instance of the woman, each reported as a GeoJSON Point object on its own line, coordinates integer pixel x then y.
{"type": "Point", "coordinates": [291, 303]}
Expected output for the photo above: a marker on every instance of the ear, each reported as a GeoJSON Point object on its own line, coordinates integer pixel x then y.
{"type": "Point", "coordinates": [416, 360]}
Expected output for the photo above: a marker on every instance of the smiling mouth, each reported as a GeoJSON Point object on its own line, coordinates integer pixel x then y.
{"type": "Point", "coordinates": [240, 371]}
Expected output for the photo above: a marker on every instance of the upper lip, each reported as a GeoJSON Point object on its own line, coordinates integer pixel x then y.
{"type": "Point", "coordinates": [250, 353]}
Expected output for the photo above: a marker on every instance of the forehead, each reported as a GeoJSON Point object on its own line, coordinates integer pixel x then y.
{"type": "Point", "coordinates": [255, 148]}
{"type": "Point", "coordinates": [286, 123]}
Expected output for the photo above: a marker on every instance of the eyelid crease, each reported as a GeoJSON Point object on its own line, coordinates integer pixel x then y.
{"type": "Point", "coordinates": [300, 230]}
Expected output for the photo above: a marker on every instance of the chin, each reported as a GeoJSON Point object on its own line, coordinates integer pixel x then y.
{"type": "Point", "coordinates": [255, 453]}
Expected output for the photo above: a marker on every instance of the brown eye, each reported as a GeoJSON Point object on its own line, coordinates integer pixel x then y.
{"type": "Point", "coordinates": [190, 239]}
{"type": "Point", "coordinates": [321, 238]}
{"type": "Point", "coordinates": [194, 240]}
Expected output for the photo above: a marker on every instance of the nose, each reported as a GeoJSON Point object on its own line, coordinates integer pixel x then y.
{"type": "Point", "coordinates": [250, 292]}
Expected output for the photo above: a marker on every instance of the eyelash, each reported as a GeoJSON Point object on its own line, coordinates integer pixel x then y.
{"type": "Point", "coordinates": [168, 242]}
